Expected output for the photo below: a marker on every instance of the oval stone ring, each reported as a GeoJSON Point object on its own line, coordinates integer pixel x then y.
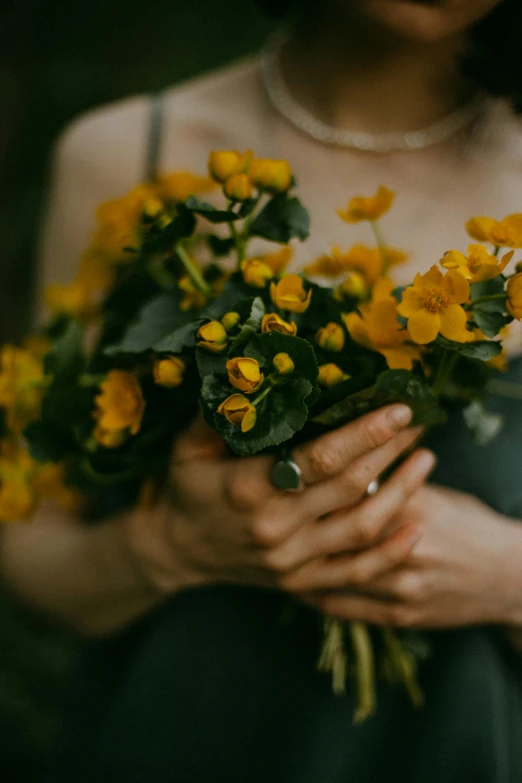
{"type": "Point", "coordinates": [286, 473]}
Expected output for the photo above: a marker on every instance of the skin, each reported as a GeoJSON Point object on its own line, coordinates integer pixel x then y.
{"type": "Point", "coordinates": [394, 558]}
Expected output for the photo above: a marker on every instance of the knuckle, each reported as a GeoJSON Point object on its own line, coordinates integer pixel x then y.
{"type": "Point", "coordinates": [365, 531]}
{"type": "Point", "coordinates": [265, 531]}
{"type": "Point", "coordinates": [359, 478]}
{"type": "Point", "coordinates": [323, 462]}
{"type": "Point", "coordinates": [357, 574]}
{"type": "Point", "coordinates": [243, 492]}
{"type": "Point", "coordinates": [378, 431]}
{"type": "Point", "coordinates": [276, 561]}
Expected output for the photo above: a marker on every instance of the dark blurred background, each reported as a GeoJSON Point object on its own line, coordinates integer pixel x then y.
{"type": "Point", "coordinates": [59, 58]}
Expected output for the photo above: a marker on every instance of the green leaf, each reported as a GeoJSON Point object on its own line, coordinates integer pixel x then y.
{"type": "Point", "coordinates": [250, 327]}
{"type": "Point", "coordinates": [392, 386]}
{"type": "Point", "coordinates": [66, 357]}
{"type": "Point", "coordinates": [210, 363]}
{"type": "Point", "coordinates": [343, 390]}
{"type": "Point", "coordinates": [482, 349]}
{"type": "Point", "coordinates": [220, 246]}
{"type": "Point", "coordinates": [281, 219]}
{"type": "Point", "coordinates": [176, 341]}
{"type": "Point", "coordinates": [490, 322]}
{"type": "Point", "coordinates": [247, 207]}
{"type": "Point", "coordinates": [159, 317]}
{"type": "Point", "coordinates": [209, 212]}
{"type": "Point", "coordinates": [48, 441]}
{"type": "Point", "coordinates": [264, 347]}
{"type": "Point", "coordinates": [281, 414]}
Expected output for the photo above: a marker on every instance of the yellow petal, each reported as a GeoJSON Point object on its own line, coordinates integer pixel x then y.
{"type": "Point", "coordinates": [432, 278]}
{"type": "Point", "coordinates": [456, 286]}
{"type": "Point", "coordinates": [400, 358]}
{"type": "Point", "coordinates": [480, 228]}
{"type": "Point", "coordinates": [453, 322]}
{"type": "Point", "coordinates": [411, 303]}
{"type": "Point", "coordinates": [423, 327]}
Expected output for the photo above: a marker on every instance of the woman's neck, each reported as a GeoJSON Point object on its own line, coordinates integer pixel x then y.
{"type": "Point", "coordinates": [352, 77]}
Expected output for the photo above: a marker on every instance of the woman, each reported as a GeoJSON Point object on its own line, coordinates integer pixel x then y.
{"type": "Point", "coordinates": [193, 685]}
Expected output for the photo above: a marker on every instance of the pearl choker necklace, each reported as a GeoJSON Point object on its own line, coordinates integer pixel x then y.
{"type": "Point", "coordinates": [284, 103]}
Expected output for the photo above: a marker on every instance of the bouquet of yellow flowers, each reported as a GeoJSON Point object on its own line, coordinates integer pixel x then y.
{"type": "Point", "coordinates": [171, 315]}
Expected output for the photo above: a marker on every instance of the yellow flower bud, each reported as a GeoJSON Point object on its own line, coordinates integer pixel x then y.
{"type": "Point", "coordinates": [330, 375]}
{"type": "Point", "coordinates": [152, 209]}
{"type": "Point", "coordinates": [256, 273]}
{"type": "Point", "coordinates": [239, 411]}
{"type": "Point", "coordinates": [355, 286]}
{"type": "Point", "coordinates": [514, 296]}
{"type": "Point", "coordinates": [330, 337]}
{"type": "Point", "coordinates": [275, 176]}
{"type": "Point", "coordinates": [221, 165]}
{"type": "Point", "coordinates": [17, 500]}
{"type": "Point", "coordinates": [230, 321]}
{"type": "Point", "coordinates": [274, 323]}
{"type": "Point", "coordinates": [238, 187]}
{"type": "Point", "coordinates": [244, 374]}
{"type": "Point", "coordinates": [168, 372]}
{"type": "Point", "coordinates": [109, 439]}
{"type": "Point", "coordinates": [212, 337]}
{"type": "Point", "coordinates": [289, 294]}
{"type": "Point", "coordinates": [283, 363]}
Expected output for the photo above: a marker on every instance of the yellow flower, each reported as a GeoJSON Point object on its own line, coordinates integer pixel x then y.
{"type": "Point", "coordinates": [72, 299]}
{"type": "Point", "coordinates": [433, 304]}
{"type": "Point", "coordinates": [238, 187]}
{"type": "Point", "coordinates": [368, 261]}
{"type": "Point", "coordinates": [119, 223]}
{"type": "Point", "coordinates": [367, 208]}
{"type": "Point", "coordinates": [22, 385]}
{"type": "Point", "coordinates": [239, 410]}
{"type": "Point", "coordinates": [179, 185]}
{"type": "Point", "coordinates": [222, 165]}
{"type": "Point", "coordinates": [230, 321]}
{"type": "Point", "coordinates": [330, 375]}
{"type": "Point", "coordinates": [17, 500]}
{"type": "Point", "coordinates": [193, 299]}
{"type": "Point", "coordinates": [212, 336]}
{"type": "Point", "coordinates": [375, 326]}
{"type": "Point", "coordinates": [274, 323]}
{"type": "Point", "coordinates": [354, 286]}
{"type": "Point", "coordinates": [501, 233]}
{"type": "Point", "coordinates": [120, 405]}
{"type": "Point", "coordinates": [330, 337]}
{"type": "Point", "coordinates": [499, 362]}
{"type": "Point", "coordinates": [258, 271]}
{"type": "Point", "coordinates": [96, 274]}
{"type": "Point", "coordinates": [480, 265]}
{"type": "Point", "coordinates": [244, 373]}
{"type": "Point", "coordinates": [168, 372]}
{"type": "Point", "coordinates": [514, 296]}
{"type": "Point", "coordinates": [289, 294]}
{"type": "Point", "coordinates": [275, 176]}
{"type": "Point", "coordinates": [283, 363]}
{"type": "Point", "coordinates": [17, 497]}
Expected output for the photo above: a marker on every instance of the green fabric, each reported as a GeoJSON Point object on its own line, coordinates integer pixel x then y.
{"type": "Point", "coordinates": [214, 688]}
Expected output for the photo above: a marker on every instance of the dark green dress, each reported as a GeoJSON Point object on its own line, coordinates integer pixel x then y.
{"type": "Point", "coordinates": [214, 688]}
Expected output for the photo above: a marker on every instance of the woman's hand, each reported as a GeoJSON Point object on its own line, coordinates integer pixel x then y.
{"type": "Point", "coordinates": [465, 569]}
{"type": "Point", "coordinates": [225, 522]}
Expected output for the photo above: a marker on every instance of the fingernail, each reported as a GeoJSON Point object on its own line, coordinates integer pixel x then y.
{"type": "Point", "coordinates": [426, 460]}
{"type": "Point", "coordinates": [400, 416]}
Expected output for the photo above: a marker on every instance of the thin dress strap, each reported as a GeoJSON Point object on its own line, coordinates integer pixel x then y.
{"type": "Point", "coordinates": [154, 137]}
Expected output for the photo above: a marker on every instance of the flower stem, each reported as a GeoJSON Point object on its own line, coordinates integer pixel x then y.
{"type": "Point", "coordinates": [444, 371]}
{"type": "Point", "coordinates": [364, 669]}
{"type": "Point", "coordinates": [271, 383]}
{"type": "Point", "coordinates": [500, 388]}
{"type": "Point", "coordinates": [192, 270]}
{"type": "Point", "coordinates": [405, 666]}
{"type": "Point", "coordinates": [333, 654]}
{"type": "Point", "coordinates": [239, 240]}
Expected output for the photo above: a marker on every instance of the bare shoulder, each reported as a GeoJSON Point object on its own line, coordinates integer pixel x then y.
{"type": "Point", "coordinates": [101, 154]}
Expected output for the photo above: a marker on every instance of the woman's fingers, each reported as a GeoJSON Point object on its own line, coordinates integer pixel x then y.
{"type": "Point", "coordinates": [349, 606]}
{"type": "Point", "coordinates": [330, 454]}
{"type": "Point", "coordinates": [350, 486]}
{"type": "Point", "coordinates": [353, 570]}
